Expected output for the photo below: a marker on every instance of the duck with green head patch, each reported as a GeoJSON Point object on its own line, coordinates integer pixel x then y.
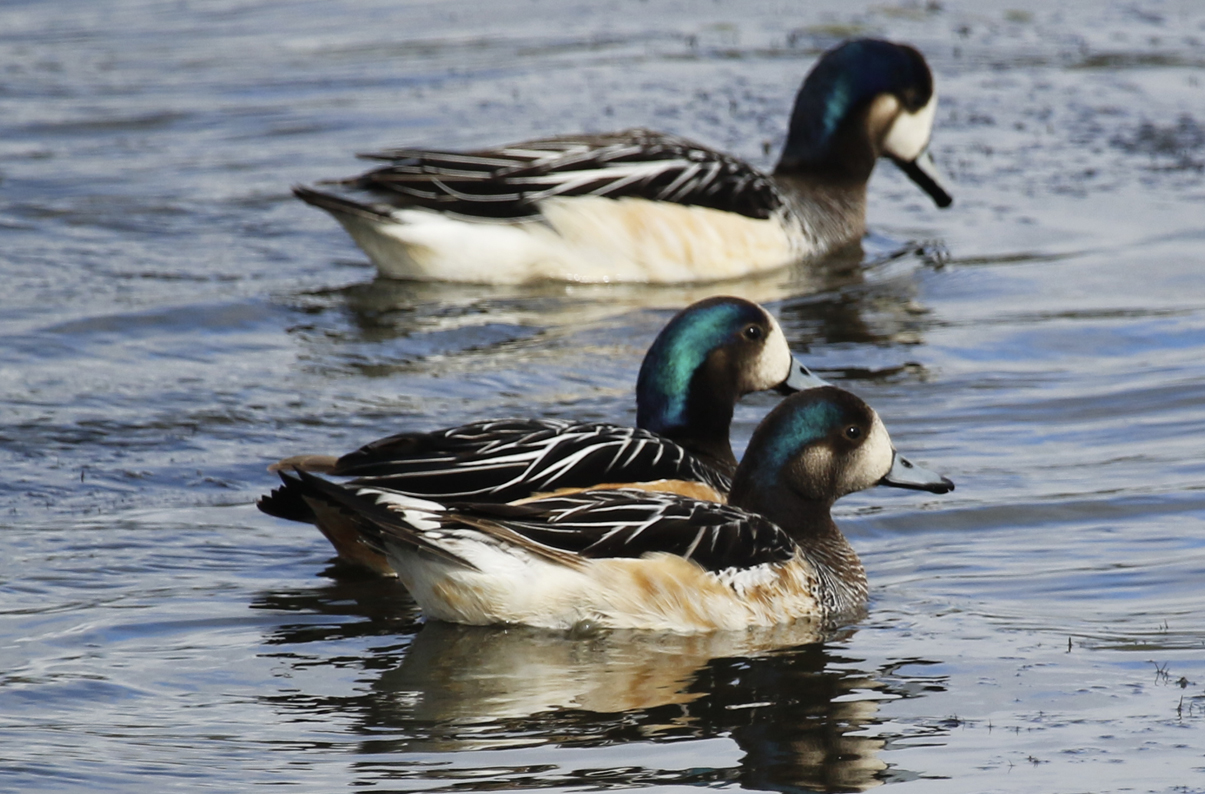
{"type": "Point", "coordinates": [709, 355]}
{"type": "Point", "coordinates": [644, 206]}
{"type": "Point", "coordinates": [640, 560]}
{"type": "Point", "coordinates": [701, 363]}
{"type": "Point", "coordinates": [865, 99]}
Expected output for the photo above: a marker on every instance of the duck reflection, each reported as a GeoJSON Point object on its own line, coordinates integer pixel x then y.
{"type": "Point", "coordinates": [354, 603]}
{"type": "Point", "coordinates": [373, 307]}
{"type": "Point", "coordinates": [468, 673]}
{"type": "Point", "coordinates": [863, 293]}
{"type": "Point", "coordinates": [774, 692]}
{"type": "Point", "coordinates": [803, 715]}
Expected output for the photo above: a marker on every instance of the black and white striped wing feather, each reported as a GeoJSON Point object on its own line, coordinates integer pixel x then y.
{"type": "Point", "coordinates": [377, 516]}
{"type": "Point", "coordinates": [511, 181]}
{"type": "Point", "coordinates": [629, 523]}
{"type": "Point", "coordinates": [500, 461]}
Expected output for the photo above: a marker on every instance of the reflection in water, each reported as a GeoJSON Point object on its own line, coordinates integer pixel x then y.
{"type": "Point", "coordinates": [379, 304]}
{"type": "Point", "coordinates": [855, 295]}
{"type": "Point", "coordinates": [467, 674]}
{"type": "Point", "coordinates": [380, 607]}
{"type": "Point", "coordinates": [803, 717]}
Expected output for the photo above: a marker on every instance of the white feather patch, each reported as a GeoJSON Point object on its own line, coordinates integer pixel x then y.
{"type": "Point", "coordinates": [774, 364]}
{"type": "Point", "coordinates": [658, 591]}
{"type": "Point", "coordinates": [587, 239]}
{"type": "Point", "coordinates": [872, 460]}
{"type": "Point", "coordinates": [418, 513]}
{"type": "Point", "coordinates": [909, 133]}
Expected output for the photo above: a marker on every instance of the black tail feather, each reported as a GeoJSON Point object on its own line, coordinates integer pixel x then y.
{"type": "Point", "coordinates": [337, 205]}
{"type": "Point", "coordinates": [377, 523]}
{"type": "Point", "coordinates": [287, 502]}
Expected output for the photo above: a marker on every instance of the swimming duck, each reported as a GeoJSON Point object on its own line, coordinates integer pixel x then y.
{"type": "Point", "coordinates": [707, 357]}
{"type": "Point", "coordinates": [641, 560]}
{"type": "Point", "coordinates": [644, 206]}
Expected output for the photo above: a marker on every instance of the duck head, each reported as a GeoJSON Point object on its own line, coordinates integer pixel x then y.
{"type": "Point", "coordinates": [706, 358]}
{"type": "Point", "coordinates": [863, 100]}
{"type": "Point", "coordinates": [815, 447]}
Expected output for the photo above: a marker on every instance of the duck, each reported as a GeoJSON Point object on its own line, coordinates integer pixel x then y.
{"type": "Point", "coordinates": [707, 357]}
{"type": "Point", "coordinates": [632, 559]}
{"type": "Point", "coordinates": [644, 206]}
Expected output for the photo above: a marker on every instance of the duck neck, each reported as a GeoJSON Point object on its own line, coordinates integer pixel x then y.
{"type": "Point", "coordinates": [843, 585]}
{"type": "Point", "coordinates": [824, 172]}
{"type": "Point", "coordinates": [842, 159]}
{"type": "Point", "coordinates": [828, 213]}
{"type": "Point", "coordinates": [698, 418]}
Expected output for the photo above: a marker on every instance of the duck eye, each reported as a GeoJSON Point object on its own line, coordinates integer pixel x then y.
{"type": "Point", "coordinates": [752, 332]}
{"type": "Point", "coordinates": [853, 432]}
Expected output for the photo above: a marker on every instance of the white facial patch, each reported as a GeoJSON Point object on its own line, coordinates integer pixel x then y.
{"type": "Point", "coordinates": [909, 133]}
{"type": "Point", "coordinates": [872, 461]}
{"type": "Point", "coordinates": [773, 365]}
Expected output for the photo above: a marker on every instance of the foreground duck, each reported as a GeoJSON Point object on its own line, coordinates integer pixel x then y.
{"type": "Point", "coordinates": [641, 560]}
{"type": "Point", "coordinates": [706, 358]}
{"type": "Point", "coordinates": [643, 206]}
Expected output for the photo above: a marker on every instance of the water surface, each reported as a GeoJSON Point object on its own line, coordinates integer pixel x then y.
{"type": "Point", "coordinates": [173, 321]}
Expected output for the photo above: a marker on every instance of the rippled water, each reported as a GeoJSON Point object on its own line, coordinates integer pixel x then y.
{"type": "Point", "coordinates": [173, 320]}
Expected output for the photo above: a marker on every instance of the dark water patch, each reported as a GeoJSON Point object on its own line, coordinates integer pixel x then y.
{"type": "Point", "coordinates": [91, 127]}
{"type": "Point", "coordinates": [353, 604]}
{"type": "Point", "coordinates": [1173, 147]}
{"type": "Point", "coordinates": [1025, 257]}
{"type": "Point", "coordinates": [1131, 60]}
{"type": "Point", "coordinates": [217, 318]}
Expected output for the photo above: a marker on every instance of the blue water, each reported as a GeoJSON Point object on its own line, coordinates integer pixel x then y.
{"type": "Point", "coordinates": [173, 321]}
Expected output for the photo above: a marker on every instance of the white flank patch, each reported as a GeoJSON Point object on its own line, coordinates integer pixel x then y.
{"type": "Point", "coordinates": [658, 591]}
{"type": "Point", "coordinates": [584, 239]}
{"type": "Point", "coordinates": [909, 133]}
{"type": "Point", "coordinates": [510, 585]}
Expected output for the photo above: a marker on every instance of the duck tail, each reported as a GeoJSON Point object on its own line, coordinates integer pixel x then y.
{"type": "Point", "coordinates": [338, 205]}
{"type": "Point", "coordinates": [287, 502]}
{"type": "Point", "coordinates": [384, 520]}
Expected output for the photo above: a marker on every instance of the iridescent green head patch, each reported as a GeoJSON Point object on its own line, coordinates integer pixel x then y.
{"type": "Point", "coordinates": [847, 78]}
{"type": "Point", "coordinates": [784, 434]}
{"type": "Point", "coordinates": [663, 388]}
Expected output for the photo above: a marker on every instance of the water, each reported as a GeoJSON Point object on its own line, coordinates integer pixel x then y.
{"type": "Point", "coordinates": [173, 321]}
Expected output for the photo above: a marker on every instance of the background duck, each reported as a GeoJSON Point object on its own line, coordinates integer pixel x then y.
{"type": "Point", "coordinates": [644, 206]}
{"type": "Point", "coordinates": [641, 560]}
{"type": "Point", "coordinates": [707, 357]}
